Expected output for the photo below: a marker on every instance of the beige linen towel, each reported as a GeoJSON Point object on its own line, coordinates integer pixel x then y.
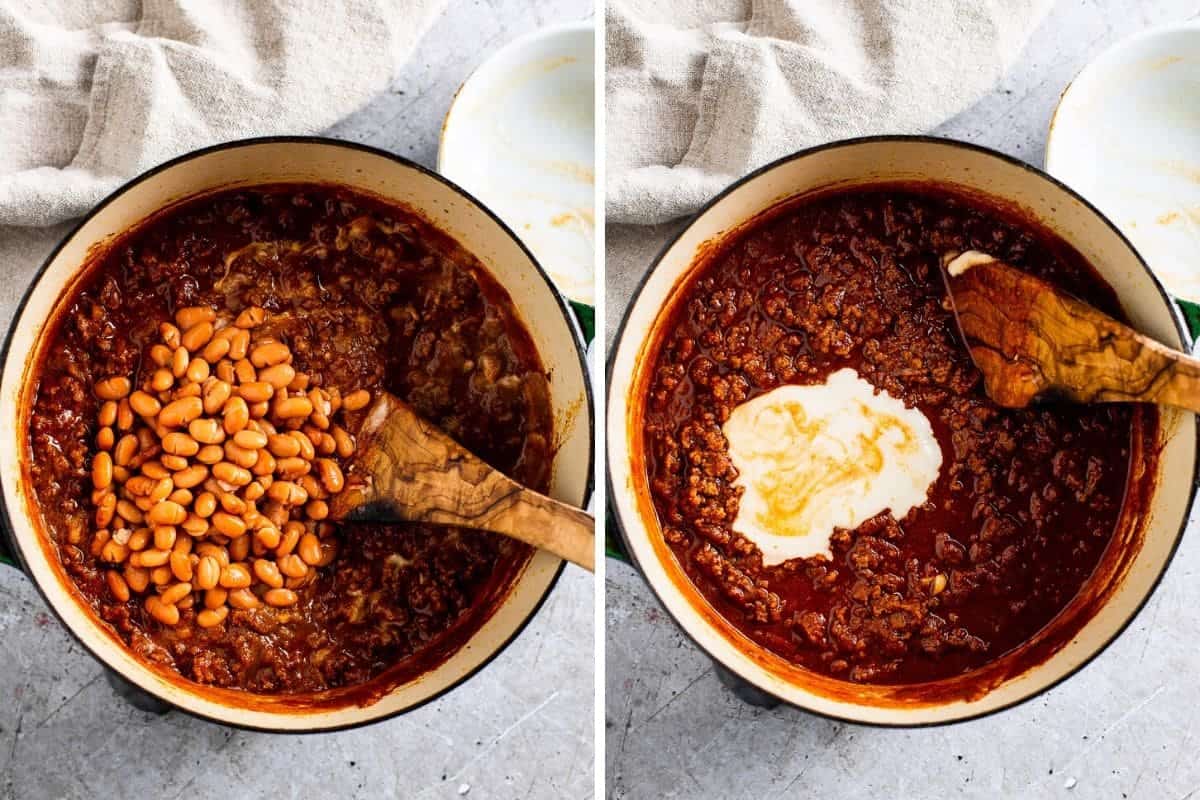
{"type": "Point", "coordinates": [93, 92]}
{"type": "Point", "coordinates": [700, 92]}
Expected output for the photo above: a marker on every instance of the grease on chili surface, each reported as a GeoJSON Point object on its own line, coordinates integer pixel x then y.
{"type": "Point", "coordinates": [366, 296]}
{"type": "Point", "coordinates": [1025, 502]}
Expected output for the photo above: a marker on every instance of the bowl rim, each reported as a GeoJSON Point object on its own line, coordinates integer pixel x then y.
{"type": "Point", "coordinates": [6, 526]}
{"type": "Point", "coordinates": [562, 29]}
{"type": "Point", "coordinates": [1111, 53]}
{"type": "Point", "coordinates": [1068, 101]}
{"type": "Point", "coordinates": [619, 339]}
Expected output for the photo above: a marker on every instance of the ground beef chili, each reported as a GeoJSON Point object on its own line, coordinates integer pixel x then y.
{"type": "Point", "coordinates": [367, 296]}
{"type": "Point", "coordinates": [1026, 500]}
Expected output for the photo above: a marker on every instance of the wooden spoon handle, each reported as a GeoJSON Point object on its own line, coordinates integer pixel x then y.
{"type": "Point", "coordinates": [1029, 339]}
{"type": "Point", "coordinates": [1112, 364]}
{"type": "Point", "coordinates": [1171, 378]}
{"type": "Point", "coordinates": [1103, 360]}
{"type": "Point", "coordinates": [407, 469]}
{"type": "Point", "coordinates": [540, 521]}
{"type": "Point", "coordinates": [496, 504]}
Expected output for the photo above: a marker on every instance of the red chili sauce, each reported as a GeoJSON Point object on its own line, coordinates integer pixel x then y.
{"type": "Point", "coordinates": [1025, 503]}
{"type": "Point", "coordinates": [367, 296]}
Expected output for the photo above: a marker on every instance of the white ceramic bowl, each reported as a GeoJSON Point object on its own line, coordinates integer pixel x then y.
{"type": "Point", "coordinates": [1142, 546]}
{"type": "Point", "coordinates": [1126, 135]}
{"type": "Point", "coordinates": [520, 136]}
{"type": "Point", "coordinates": [275, 160]}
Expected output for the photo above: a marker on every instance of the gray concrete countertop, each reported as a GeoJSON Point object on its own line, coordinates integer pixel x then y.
{"type": "Point", "coordinates": [523, 727]}
{"type": "Point", "coordinates": [1125, 727]}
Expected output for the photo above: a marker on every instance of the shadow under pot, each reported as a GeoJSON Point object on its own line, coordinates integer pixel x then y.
{"type": "Point", "coordinates": [318, 252]}
{"type": "Point", "coordinates": [787, 376]}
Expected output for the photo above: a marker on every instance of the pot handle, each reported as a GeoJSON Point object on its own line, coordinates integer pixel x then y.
{"type": "Point", "coordinates": [743, 690]}
{"type": "Point", "coordinates": [8, 553]}
{"type": "Point", "coordinates": [1191, 315]}
{"type": "Point", "coordinates": [135, 696]}
{"type": "Point", "coordinates": [613, 546]}
{"type": "Point", "coordinates": [585, 315]}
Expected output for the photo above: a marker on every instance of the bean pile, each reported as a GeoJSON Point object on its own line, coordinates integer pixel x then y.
{"type": "Point", "coordinates": [211, 480]}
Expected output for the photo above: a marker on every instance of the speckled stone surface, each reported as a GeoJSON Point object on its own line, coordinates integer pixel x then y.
{"type": "Point", "coordinates": [523, 727]}
{"type": "Point", "coordinates": [1125, 727]}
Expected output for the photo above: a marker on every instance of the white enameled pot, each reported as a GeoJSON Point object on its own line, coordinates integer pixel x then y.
{"type": "Point", "coordinates": [275, 160]}
{"type": "Point", "coordinates": [1142, 547]}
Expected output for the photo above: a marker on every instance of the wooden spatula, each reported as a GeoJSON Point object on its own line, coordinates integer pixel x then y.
{"type": "Point", "coordinates": [1030, 340]}
{"type": "Point", "coordinates": [406, 469]}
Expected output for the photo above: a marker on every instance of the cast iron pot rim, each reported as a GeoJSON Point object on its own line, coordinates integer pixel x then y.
{"type": "Point", "coordinates": [6, 526]}
{"type": "Point", "coordinates": [1180, 327]}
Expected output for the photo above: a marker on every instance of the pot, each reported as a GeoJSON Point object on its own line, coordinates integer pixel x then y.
{"type": "Point", "coordinates": [1136, 560]}
{"type": "Point", "coordinates": [274, 160]}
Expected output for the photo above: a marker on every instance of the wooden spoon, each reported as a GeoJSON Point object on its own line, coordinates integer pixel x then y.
{"type": "Point", "coordinates": [1031, 340]}
{"type": "Point", "coordinates": [406, 469]}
